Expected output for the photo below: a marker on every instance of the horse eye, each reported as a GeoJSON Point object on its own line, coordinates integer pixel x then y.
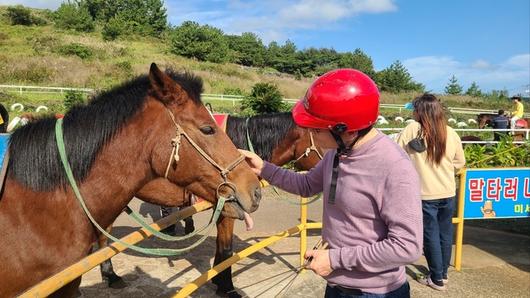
{"type": "Point", "coordinates": [207, 130]}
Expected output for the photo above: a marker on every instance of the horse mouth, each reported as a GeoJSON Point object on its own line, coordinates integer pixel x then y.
{"type": "Point", "coordinates": [234, 211]}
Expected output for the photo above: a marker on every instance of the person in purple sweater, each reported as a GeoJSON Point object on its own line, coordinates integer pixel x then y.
{"type": "Point", "coordinates": [372, 219]}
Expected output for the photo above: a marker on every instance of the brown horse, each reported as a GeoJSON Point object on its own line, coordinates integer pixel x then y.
{"type": "Point", "coordinates": [276, 138]}
{"type": "Point", "coordinates": [484, 120]}
{"type": "Point", "coordinates": [116, 144]}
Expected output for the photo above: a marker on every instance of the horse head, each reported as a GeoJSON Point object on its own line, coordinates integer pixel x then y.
{"type": "Point", "coordinates": [191, 151]}
{"type": "Point", "coordinates": [484, 120]}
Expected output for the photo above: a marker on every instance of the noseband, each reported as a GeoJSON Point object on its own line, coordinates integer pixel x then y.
{"type": "Point", "coordinates": [311, 147]}
{"type": "Point", "coordinates": [174, 156]}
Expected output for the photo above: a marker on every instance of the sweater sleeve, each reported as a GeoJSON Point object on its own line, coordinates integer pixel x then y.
{"type": "Point", "coordinates": [308, 184]}
{"type": "Point", "coordinates": [460, 159]}
{"type": "Point", "coordinates": [401, 211]}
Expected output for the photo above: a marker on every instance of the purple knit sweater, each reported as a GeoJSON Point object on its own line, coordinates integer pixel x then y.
{"type": "Point", "coordinates": [375, 226]}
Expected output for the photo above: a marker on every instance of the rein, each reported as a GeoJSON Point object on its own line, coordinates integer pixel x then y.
{"type": "Point", "coordinates": [174, 157]}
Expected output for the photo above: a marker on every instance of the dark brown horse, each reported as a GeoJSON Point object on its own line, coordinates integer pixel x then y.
{"type": "Point", "coordinates": [116, 144]}
{"type": "Point", "coordinates": [274, 137]}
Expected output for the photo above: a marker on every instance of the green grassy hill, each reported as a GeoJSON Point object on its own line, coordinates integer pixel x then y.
{"type": "Point", "coordinates": [47, 56]}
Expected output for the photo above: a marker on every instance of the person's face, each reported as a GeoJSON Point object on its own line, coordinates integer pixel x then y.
{"type": "Point", "coordinates": [325, 140]}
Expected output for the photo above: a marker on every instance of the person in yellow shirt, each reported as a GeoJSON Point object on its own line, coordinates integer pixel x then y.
{"type": "Point", "coordinates": [517, 112]}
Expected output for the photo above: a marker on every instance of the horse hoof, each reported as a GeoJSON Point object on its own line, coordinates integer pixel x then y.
{"type": "Point", "coordinates": [228, 294]}
{"type": "Point", "coordinates": [115, 282]}
{"type": "Point", "coordinates": [189, 230]}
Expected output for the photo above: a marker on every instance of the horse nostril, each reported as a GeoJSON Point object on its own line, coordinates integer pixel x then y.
{"type": "Point", "coordinates": [257, 194]}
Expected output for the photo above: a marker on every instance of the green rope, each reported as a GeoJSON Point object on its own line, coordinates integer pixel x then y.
{"type": "Point", "coordinates": [249, 142]}
{"type": "Point", "coordinates": [149, 251]}
{"type": "Point", "coordinates": [139, 219]}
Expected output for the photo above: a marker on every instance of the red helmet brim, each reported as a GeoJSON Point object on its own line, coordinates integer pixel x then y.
{"type": "Point", "coordinates": [303, 119]}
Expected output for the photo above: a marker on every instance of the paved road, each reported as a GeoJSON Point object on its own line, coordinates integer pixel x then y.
{"type": "Point", "coordinates": [495, 264]}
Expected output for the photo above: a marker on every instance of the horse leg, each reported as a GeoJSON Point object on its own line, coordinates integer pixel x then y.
{"type": "Point", "coordinates": [107, 271]}
{"type": "Point", "coordinates": [189, 225]}
{"type": "Point", "coordinates": [223, 281]}
{"type": "Point", "coordinates": [69, 290]}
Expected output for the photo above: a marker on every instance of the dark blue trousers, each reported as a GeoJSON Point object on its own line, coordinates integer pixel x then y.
{"type": "Point", "coordinates": [438, 235]}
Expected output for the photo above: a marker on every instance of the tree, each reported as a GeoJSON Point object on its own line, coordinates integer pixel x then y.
{"type": "Point", "coordinates": [247, 49]}
{"type": "Point", "coordinates": [453, 87]}
{"type": "Point", "coordinates": [474, 90]}
{"type": "Point", "coordinates": [204, 43]}
{"type": "Point", "coordinates": [396, 78]}
{"type": "Point", "coordinates": [144, 17]}
{"type": "Point", "coordinates": [264, 98]}
{"type": "Point", "coordinates": [74, 16]}
{"type": "Point", "coordinates": [357, 60]}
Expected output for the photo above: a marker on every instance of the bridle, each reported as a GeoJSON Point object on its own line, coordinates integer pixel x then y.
{"type": "Point", "coordinates": [174, 156]}
{"type": "Point", "coordinates": [311, 147]}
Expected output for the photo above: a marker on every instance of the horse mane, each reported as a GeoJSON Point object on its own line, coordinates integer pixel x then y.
{"type": "Point", "coordinates": [35, 161]}
{"type": "Point", "coordinates": [266, 131]}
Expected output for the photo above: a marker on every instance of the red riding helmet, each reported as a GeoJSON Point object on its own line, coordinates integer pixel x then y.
{"type": "Point", "coordinates": [343, 96]}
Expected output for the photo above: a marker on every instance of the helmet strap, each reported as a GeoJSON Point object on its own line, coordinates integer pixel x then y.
{"type": "Point", "coordinates": [341, 150]}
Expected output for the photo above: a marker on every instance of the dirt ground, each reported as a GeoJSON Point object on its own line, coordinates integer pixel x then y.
{"type": "Point", "coordinates": [495, 263]}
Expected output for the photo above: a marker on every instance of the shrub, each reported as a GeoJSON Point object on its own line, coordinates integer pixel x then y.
{"type": "Point", "coordinates": [76, 49]}
{"type": "Point", "coordinates": [264, 98]}
{"type": "Point", "coordinates": [19, 15]}
{"type": "Point", "coordinates": [233, 91]}
{"type": "Point", "coordinates": [113, 29]}
{"type": "Point", "coordinates": [502, 154]}
{"type": "Point", "coordinates": [72, 99]}
{"type": "Point", "coordinates": [73, 16]}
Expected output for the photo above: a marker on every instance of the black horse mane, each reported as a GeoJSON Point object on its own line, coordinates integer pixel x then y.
{"type": "Point", "coordinates": [35, 161]}
{"type": "Point", "coordinates": [265, 131]}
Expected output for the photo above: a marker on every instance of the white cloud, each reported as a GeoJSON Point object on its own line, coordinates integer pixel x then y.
{"type": "Point", "coordinates": [275, 18]}
{"type": "Point", "coordinates": [435, 71]}
{"type": "Point", "coordinates": [51, 4]}
{"type": "Point", "coordinates": [481, 64]}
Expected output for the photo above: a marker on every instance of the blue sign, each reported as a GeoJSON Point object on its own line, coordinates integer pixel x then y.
{"type": "Point", "coordinates": [497, 193]}
{"type": "Point", "coordinates": [4, 142]}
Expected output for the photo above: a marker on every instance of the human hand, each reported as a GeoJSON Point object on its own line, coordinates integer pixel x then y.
{"type": "Point", "coordinates": [253, 160]}
{"type": "Point", "coordinates": [320, 264]}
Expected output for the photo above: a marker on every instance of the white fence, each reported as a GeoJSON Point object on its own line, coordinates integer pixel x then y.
{"type": "Point", "coordinates": [526, 132]}
{"type": "Point", "coordinates": [224, 97]}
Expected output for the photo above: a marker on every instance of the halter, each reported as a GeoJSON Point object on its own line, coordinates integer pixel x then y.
{"type": "Point", "coordinates": [174, 156]}
{"type": "Point", "coordinates": [311, 147]}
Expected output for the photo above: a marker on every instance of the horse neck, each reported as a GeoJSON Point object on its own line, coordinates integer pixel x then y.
{"type": "Point", "coordinates": [119, 171]}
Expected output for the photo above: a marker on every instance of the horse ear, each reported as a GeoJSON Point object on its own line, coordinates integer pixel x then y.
{"type": "Point", "coordinates": [164, 88]}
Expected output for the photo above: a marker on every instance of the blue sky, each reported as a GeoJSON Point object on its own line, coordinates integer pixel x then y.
{"type": "Point", "coordinates": [483, 41]}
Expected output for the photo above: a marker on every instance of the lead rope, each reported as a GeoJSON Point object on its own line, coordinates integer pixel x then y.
{"type": "Point", "coordinates": [59, 137]}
